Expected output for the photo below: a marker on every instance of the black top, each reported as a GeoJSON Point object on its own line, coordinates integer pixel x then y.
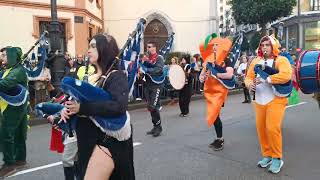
{"type": "Point", "coordinates": [117, 86]}
{"type": "Point", "coordinates": [89, 135]}
{"type": "Point", "coordinates": [188, 75]}
{"type": "Point", "coordinates": [154, 69]}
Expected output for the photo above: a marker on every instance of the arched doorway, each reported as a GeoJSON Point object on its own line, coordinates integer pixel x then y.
{"type": "Point", "coordinates": [155, 31]}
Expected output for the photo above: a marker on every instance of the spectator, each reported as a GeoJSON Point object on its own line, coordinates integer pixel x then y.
{"type": "Point", "coordinates": [79, 61]}
{"type": "Point", "coordinates": [195, 71]}
{"type": "Point", "coordinates": [172, 92]}
{"type": "Point", "coordinates": [241, 75]}
{"type": "Point", "coordinates": [71, 70]}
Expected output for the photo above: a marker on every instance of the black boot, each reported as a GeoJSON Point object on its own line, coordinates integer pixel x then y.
{"type": "Point", "coordinates": [151, 131]}
{"type": "Point", "coordinates": [157, 131]}
{"type": "Point", "coordinates": [69, 173]}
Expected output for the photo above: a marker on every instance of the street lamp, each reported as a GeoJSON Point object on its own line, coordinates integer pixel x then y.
{"type": "Point", "coordinates": [56, 59]}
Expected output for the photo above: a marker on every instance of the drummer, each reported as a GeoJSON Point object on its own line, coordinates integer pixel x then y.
{"type": "Point", "coordinates": [186, 92]}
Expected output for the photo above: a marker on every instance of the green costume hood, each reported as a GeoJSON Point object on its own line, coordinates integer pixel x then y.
{"type": "Point", "coordinates": [13, 55]}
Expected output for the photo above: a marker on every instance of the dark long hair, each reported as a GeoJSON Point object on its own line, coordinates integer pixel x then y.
{"type": "Point", "coordinates": [107, 50]}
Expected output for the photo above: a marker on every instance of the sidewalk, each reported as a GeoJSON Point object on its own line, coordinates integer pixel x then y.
{"type": "Point", "coordinates": [133, 106]}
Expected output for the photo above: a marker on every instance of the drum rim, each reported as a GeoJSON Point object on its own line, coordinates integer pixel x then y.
{"type": "Point", "coordinates": [298, 70]}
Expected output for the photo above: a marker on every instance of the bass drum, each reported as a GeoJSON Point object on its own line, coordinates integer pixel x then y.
{"type": "Point", "coordinates": [308, 71]}
{"type": "Point", "coordinates": [177, 77]}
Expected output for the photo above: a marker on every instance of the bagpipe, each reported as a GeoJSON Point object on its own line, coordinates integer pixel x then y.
{"type": "Point", "coordinates": [159, 79]}
{"type": "Point", "coordinates": [217, 50]}
{"type": "Point", "coordinates": [18, 95]}
{"type": "Point", "coordinates": [308, 71]}
{"type": "Point", "coordinates": [83, 92]}
{"type": "Point", "coordinates": [281, 90]}
{"type": "Point", "coordinates": [35, 65]}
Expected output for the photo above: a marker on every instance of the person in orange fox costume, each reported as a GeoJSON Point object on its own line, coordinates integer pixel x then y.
{"type": "Point", "coordinates": [215, 51]}
{"type": "Point", "coordinates": [269, 107]}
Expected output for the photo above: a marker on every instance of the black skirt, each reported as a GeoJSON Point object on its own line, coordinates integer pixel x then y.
{"type": "Point", "coordinates": [122, 151]}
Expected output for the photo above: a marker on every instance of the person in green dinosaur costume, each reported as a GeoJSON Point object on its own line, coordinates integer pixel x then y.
{"type": "Point", "coordinates": [13, 128]}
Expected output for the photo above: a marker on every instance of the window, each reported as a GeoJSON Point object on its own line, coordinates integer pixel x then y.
{"type": "Point", "coordinates": [312, 35]}
{"type": "Point", "coordinates": [314, 5]}
{"type": "Point", "coordinates": [221, 9]}
{"type": "Point", "coordinates": [90, 33]}
{"type": "Point", "coordinates": [283, 41]}
{"type": "Point", "coordinates": [227, 13]}
{"type": "Point", "coordinates": [293, 37]}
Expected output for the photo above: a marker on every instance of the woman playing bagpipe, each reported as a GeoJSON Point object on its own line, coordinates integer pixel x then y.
{"type": "Point", "coordinates": [103, 154]}
{"type": "Point", "coordinates": [214, 53]}
{"type": "Point", "coordinates": [269, 76]}
{"type": "Point", "coordinates": [14, 114]}
{"type": "Point", "coordinates": [186, 92]}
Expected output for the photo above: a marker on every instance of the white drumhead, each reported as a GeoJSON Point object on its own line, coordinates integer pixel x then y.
{"type": "Point", "coordinates": [177, 77]}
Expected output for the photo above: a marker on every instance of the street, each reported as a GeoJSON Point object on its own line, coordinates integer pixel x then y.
{"type": "Point", "coordinates": [182, 152]}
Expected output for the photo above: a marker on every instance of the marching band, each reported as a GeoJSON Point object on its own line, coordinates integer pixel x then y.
{"type": "Point", "coordinates": [92, 109]}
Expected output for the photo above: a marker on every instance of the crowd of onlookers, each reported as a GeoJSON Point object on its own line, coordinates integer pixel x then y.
{"type": "Point", "coordinates": [40, 87]}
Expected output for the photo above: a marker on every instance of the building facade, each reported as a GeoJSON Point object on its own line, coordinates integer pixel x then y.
{"type": "Point", "coordinates": [302, 29]}
{"type": "Point", "coordinates": [24, 20]}
{"type": "Point", "coordinates": [227, 23]}
{"type": "Point", "coordinates": [191, 21]}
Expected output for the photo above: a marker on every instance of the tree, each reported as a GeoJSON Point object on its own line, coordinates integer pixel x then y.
{"type": "Point", "coordinates": [245, 44]}
{"type": "Point", "coordinates": [255, 40]}
{"type": "Point", "coordinates": [260, 11]}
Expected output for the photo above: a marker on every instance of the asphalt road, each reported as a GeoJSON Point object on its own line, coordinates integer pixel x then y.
{"type": "Point", "coordinates": [182, 152]}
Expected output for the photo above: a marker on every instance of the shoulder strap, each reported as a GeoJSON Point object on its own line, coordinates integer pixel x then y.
{"type": "Point", "coordinates": [103, 79]}
{"type": "Point", "coordinates": [274, 64]}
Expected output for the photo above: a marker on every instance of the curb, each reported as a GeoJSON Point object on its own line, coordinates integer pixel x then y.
{"type": "Point", "coordinates": [134, 106]}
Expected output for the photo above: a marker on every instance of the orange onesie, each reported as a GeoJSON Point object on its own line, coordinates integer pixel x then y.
{"type": "Point", "coordinates": [269, 108]}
